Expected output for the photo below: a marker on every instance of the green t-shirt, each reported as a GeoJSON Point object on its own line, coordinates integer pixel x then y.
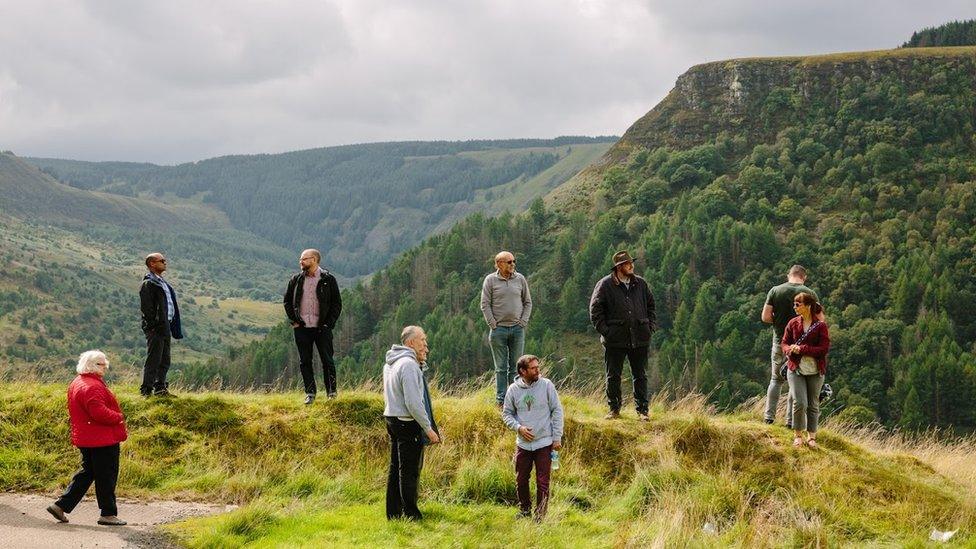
{"type": "Point", "coordinates": [781, 298]}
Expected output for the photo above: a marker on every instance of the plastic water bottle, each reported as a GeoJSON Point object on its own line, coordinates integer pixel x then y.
{"type": "Point", "coordinates": [555, 460]}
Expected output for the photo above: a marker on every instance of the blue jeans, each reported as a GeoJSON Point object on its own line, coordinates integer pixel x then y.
{"type": "Point", "coordinates": [507, 345]}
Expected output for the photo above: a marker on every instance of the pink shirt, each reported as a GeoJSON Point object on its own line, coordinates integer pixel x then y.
{"type": "Point", "coordinates": [308, 309]}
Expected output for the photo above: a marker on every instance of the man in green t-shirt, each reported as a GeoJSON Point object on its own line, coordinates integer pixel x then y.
{"type": "Point", "coordinates": [778, 311]}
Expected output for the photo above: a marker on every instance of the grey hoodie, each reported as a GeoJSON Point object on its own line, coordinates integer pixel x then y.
{"type": "Point", "coordinates": [403, 386]}
{"type": "Point", "coordinates": [537, 407]}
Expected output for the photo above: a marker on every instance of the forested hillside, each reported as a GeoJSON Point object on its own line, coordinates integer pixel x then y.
{"type": "Point", "coordinates": [860, 166]}
{"type": "Point", "coordinates": [360, 204]}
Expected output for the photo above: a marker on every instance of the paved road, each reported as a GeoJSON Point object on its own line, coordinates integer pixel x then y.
{"type": "Point", "coordinates": [24, 522]}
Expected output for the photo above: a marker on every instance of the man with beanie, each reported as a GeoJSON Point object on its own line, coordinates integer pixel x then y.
{"type": "Point", "coordinates": [622, 311]}
{"type": "Point", "coordinates": [409, 421]}
{"type": "Point", "coordinates": [532, 410]}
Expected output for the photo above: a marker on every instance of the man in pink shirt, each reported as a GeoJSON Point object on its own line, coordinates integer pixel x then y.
{"type": "Point", "coordinates": [313, 303]}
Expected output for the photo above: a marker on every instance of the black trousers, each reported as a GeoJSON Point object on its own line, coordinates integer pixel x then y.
{"type": "Point", "coordinates": [406, 459]}
{"type": "Point", "coordinates": [614, 357]}
{"type": "Point", "coordinates": [322, 339]}
{"type": "Point", "coordinates": [157, 363]}
{"type": "Point", "coordinates": [102, 466]}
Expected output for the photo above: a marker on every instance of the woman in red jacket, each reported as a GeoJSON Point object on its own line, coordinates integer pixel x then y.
{"type": "Point", "coordinates": [805, 344]}
{"type": "Point", "coordinates": [97, 428]}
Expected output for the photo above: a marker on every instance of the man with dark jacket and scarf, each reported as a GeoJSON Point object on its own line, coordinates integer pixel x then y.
{"type": "Point", "coordinates": [312, 303]}
{"type": "Point", "coordinates": [160, 323]}
{"type": "Point", "coordinates": [622, 311]}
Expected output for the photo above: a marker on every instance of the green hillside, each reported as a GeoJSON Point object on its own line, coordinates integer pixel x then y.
{"type": "Point", "coordinates": [74, 251]}
{"type": "Point", "coordinates": [72, 264]}
{"type": "Point", "coordinates": [860, 166]}
{"type": "Point", "coordinates": [315, 476]}
{"type": "Point", "coordinates": [360, 204]}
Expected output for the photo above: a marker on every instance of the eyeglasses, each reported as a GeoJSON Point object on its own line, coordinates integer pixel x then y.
{"type": "Point", "coordinates": [161, 260]}
{"type": "Point", "coordinates": [101, 363]}
{"type": "Point", "coordinates": [512, 262]}
{"type": "Point", "coordinates": [797, 304]}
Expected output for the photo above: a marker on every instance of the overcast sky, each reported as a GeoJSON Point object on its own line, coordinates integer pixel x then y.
{"type": "Point", "coordinates": [172, 81]}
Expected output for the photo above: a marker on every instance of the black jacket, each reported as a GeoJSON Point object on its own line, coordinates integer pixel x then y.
{"type": "Point", "coordinates": [327, 290]}
{"type": "Point", "coordinates": [152, 301]}
{"type": "Point", "coordinates": [625, 318]}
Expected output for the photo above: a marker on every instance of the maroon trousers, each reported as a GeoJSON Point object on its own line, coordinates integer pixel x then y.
{"type": "Point", "coordinates": [524, 460]}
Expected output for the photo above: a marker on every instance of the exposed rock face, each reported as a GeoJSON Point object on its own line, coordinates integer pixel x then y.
{"type": "Point", "coordinates": [756, 98]}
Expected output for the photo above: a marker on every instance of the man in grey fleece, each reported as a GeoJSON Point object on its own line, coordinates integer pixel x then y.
{"type": "Point", "coordinates": [532, 409]}
{"type": "Point", "coordinates": [409, 421]}
{"type": "Point", "coordinates": [506, 305]}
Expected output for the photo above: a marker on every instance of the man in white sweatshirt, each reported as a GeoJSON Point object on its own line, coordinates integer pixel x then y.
{"type": "Point", "coordinates": [409, 421]}
{"type": "Point", "coordinates": [532, 410]}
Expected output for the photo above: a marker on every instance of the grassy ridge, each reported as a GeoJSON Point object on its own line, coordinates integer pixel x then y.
{"type": "Point", "coordinates": [316, 476]}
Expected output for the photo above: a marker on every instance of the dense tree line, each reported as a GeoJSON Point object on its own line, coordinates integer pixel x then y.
{"type": "Point", "coordinates": [360, 203]}
{"type": "Point", "coordinates": [955, 33]}
{"type": "Point", "coordinates": [874, 191]}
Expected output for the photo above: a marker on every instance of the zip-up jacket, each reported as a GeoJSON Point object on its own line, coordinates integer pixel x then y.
{"type": "Point", "coordinates": [623, 316]}
{"type": "Point", "coordinates": [327, 292]}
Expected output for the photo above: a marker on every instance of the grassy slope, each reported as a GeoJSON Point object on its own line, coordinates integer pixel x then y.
{"type": "Point", "coordinates": [316, 476]}
{"type": "Point", "coordinates": [511, 196]}
{"type": "Point", "coordinates": [30, 249]}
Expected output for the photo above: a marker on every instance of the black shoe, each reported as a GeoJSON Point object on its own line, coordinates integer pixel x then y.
{"type": "Point", "coordinates": [524, 514]}
{"type": "Point", "coordinates": [768, 421]}
{"type": "Point", "coordinates": [57, 512]}
{"type": "Point", "coordinates": [163, 393]}
{"type": "Point", "coordinates": [789, 425]}
{"type": "Point", "coordinates": [332, 396]}
{"type": "Point", "coordinates": [111, 521]}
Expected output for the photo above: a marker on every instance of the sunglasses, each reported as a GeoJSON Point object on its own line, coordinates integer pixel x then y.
{"type": "Point", "coordinates": [797, 304]}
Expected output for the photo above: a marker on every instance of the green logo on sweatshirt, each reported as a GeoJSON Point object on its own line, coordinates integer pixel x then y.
{"type": "Point", "coordinates": [528, 399]}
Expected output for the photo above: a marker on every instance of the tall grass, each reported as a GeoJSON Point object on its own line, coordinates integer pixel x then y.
{"type": "Point", "coordinates": [315, 476]}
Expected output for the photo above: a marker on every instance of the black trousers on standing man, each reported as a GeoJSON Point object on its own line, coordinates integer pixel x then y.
{"type": "Point", "coordinates": [614, 359]}
{"type": "Point", "coordinates": [406, 459]}
{"type": "Point", "coordinates": [157, 363]}
{"type": "Point", "coordinates": [321, 338]}
{"type": "Point", "coordinates": [100, 465]}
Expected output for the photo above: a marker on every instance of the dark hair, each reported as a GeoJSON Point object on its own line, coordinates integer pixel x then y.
{"type": "Point", "coordinates": [524, 361]}
{"type": "Point", "coordinates": [798, 270]}
{"type": "Point", "coordinates": [810, 301]}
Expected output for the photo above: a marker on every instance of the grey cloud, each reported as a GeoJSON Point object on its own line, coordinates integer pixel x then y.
{"type": "Point", "coordinates": [182, 80]}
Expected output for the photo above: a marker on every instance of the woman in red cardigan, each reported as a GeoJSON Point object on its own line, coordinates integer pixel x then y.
{"type": "Point", "coordinates": [805, 344]}
{"type": "Point", "coordinates": [97, 428]}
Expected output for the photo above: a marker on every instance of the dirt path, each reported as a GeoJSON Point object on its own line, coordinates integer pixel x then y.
{"type": "Point", "coordinates": [24, 522]}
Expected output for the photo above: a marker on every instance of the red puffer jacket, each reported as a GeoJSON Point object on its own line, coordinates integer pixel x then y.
{"type": "Point", "coordinates": [96, 419]}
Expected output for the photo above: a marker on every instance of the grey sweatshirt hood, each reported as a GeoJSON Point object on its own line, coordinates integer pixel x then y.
{"type": "Point", "coordinates": [403, 386]}
{"type": "Point", "coordinates": [397, 352]}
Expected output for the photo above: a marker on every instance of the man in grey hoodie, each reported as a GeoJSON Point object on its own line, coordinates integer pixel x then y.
{"type": "Point", "coordinates": [409, 421]}
{"type": "Point", "coordinates": [532, 410]}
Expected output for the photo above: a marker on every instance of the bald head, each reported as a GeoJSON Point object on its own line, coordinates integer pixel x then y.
{"type": "Point", "coordinates": [309, 260]}
{"type": "Point", "coordinates": [156, 263]}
